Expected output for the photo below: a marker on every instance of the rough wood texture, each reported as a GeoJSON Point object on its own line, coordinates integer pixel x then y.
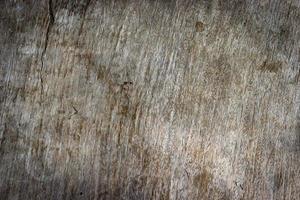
{"type": "Point", "coordinates": [145, 99]}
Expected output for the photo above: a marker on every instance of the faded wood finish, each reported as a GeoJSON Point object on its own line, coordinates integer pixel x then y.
{"type": "Point", "coordinates": [150, 99]}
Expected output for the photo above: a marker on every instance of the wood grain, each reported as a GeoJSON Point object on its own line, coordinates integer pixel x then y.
{"type": "Point", "coordinates": [142, 99]}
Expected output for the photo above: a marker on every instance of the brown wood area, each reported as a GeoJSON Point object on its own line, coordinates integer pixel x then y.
{"type": "Point", "coordinates": [150, 99]}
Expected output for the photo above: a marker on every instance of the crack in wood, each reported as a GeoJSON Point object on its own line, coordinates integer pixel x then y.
{"type": "Point", "coordinates": [51, 20]}
{"type": "Point", "coordinates": [83, 18]}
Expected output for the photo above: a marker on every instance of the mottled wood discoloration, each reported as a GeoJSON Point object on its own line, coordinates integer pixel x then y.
{"type": "Point", "coordinates": [145, 99]}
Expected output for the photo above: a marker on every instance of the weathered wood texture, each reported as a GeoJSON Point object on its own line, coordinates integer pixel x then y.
{"type": "Point", "coordinates": [150, 99]}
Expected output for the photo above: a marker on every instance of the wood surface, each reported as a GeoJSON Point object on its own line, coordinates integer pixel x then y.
{"type": "Point", "coordinates": [149, 99]}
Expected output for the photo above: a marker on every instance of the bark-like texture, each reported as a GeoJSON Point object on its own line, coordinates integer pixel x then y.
{"type": "Point", "coordinates": [150, 99]}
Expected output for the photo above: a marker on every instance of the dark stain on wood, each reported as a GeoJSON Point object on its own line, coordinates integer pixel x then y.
{"type": "Point", "coordinates": [202, 181]}
{"type": "Point", "coordinates": [199, 26]}
{"type": "Point", "coordinates": [278, 180]}
{"type": "Point", "coordinates": [272, 67]}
